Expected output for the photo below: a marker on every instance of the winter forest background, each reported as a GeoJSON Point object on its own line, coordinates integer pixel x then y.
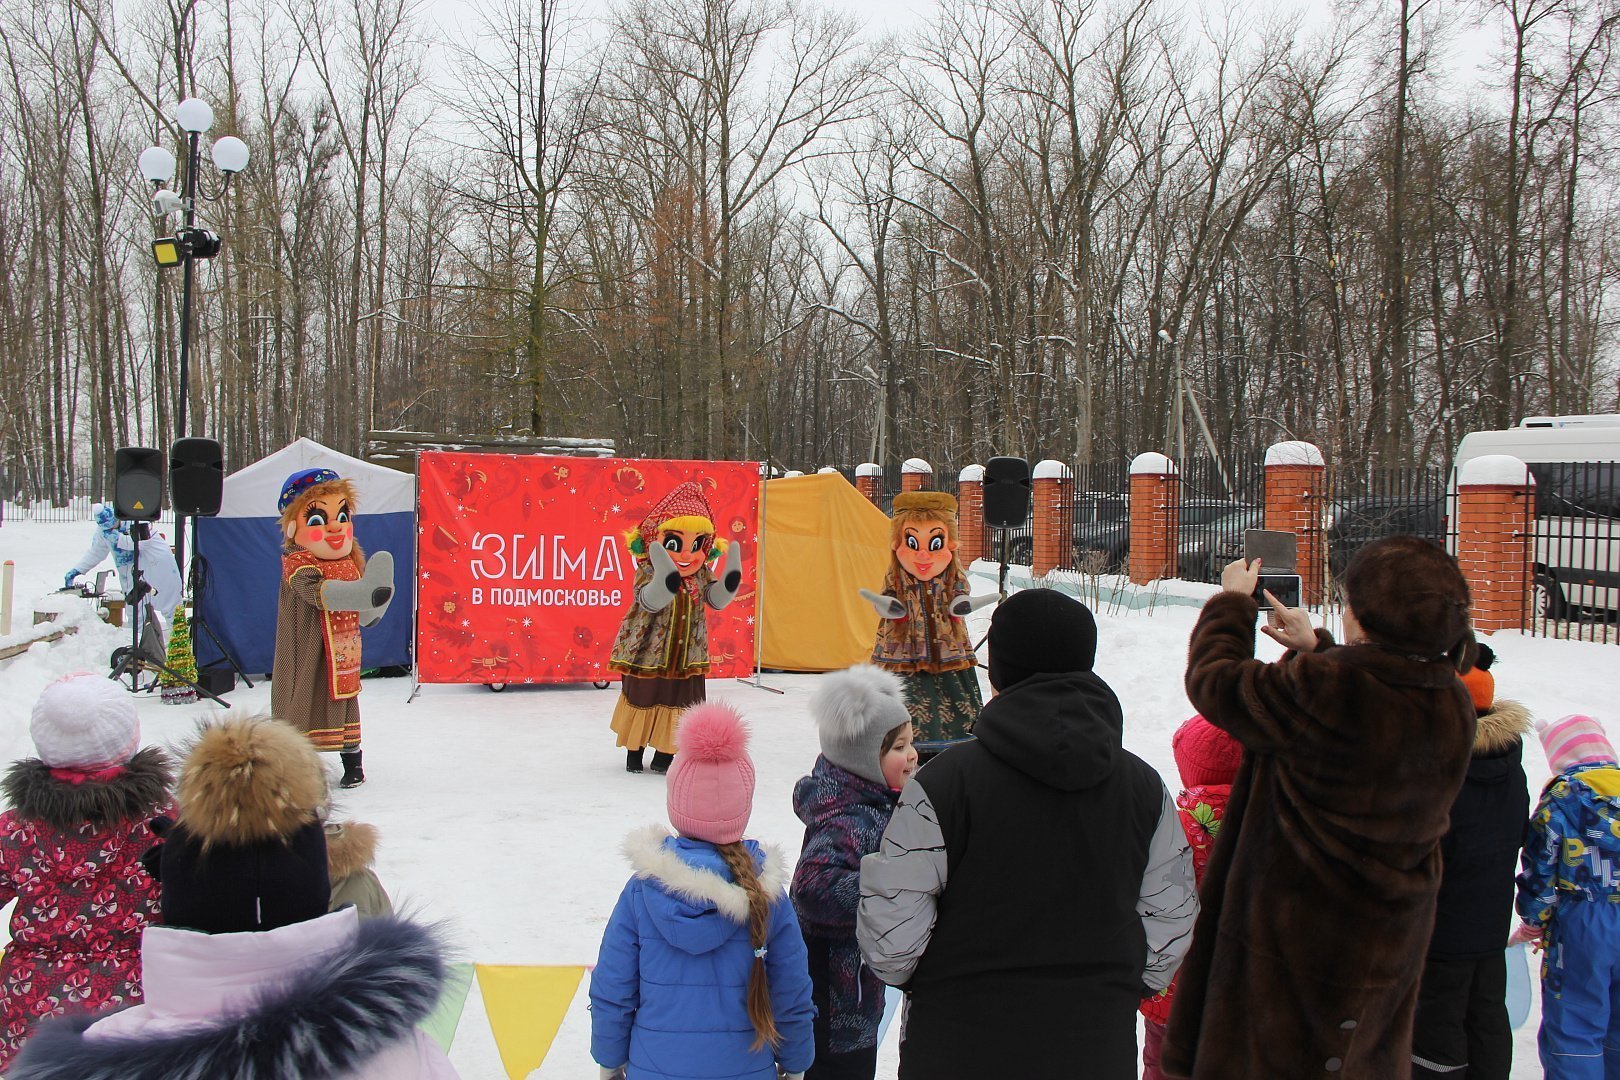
{"type": "Point", "coordinates": [756, 229]}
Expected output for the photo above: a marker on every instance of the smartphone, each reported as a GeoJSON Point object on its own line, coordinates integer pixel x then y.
{"type": "Point", "coordinates": [1285, 587]}
{"type": "Point", "coordinates": [1276, 550]}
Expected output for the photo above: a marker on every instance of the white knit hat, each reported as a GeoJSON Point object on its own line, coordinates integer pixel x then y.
{"type": "Point", "coordinates": [85, 719]}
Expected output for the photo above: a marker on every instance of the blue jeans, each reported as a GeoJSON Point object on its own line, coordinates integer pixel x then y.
{"type": "Point", "coordinates": [1580, 1025]}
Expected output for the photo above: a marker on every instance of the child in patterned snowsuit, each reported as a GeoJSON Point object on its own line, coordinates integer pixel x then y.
{"type": "Point", "coordinates": [1569, 897]}
{"type": "Point", "coordinates": [1208, 760]}
{"type": "Point", "coordinates": [846, 803]}
{"type": "Point", "coordinates": [70, 853]}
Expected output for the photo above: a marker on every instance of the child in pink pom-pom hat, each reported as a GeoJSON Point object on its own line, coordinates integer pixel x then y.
{"type": "Point", "coordinates": [1569, 897]}
{"type": "Point", "coordinates": [702, 965]}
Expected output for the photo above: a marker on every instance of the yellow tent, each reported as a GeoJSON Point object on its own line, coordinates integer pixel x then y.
{"type": "Point", "coordinates": [823, 541]}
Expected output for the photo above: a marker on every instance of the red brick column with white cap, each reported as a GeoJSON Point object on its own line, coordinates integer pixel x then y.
{"type": "Point", "coordinates": [1155, 517]}
{"type": "Point", "coordinates": [970, 516]}
{"type": "Point", "coordinates": [1495, 526]}
{"type": "Point", "coordinates": [1051, 484]}
{"type": "Point", "coordinates": [916, 474]}
{"type": "Point", "coordinates": [1296, 500]}
{"type": "Point", "coordinates": [869, 480]}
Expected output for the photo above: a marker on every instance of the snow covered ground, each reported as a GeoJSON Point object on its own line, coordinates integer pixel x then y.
{"type": "Point", "coordinates": [502, 814]}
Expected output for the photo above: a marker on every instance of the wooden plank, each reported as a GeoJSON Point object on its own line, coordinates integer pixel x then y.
{"type": "Point", "coordinates": [20, 647]}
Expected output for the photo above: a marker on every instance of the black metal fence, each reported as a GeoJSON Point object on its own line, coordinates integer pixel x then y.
{"type": "Point", "coordinates": [1574, 556]}
{"type": "Point", "coordinates": [1220, 501]}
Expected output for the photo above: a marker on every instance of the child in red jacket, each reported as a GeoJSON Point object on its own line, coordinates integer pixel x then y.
{"type": "Point", "coordinates": [70, 853]}
{"type": "Point", "coordinates": [1208, 760]}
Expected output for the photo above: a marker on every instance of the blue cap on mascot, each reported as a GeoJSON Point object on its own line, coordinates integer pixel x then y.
{"type": "Point", "coordinates": [300, 482]}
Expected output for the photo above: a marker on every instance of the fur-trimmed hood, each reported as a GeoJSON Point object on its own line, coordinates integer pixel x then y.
{"type": "Point", "coordinates": [1506, 723]}
{"type": "Point", "coordinates": [351, 846]}
{"type": "Point", "coordinates": [249, 780]}
{"type": "Point", "coordinates": [139, 792]}
{"type": "Point", "coordinates": [696, 885]}
{"type": "Point", "coordinates": [348, 993]}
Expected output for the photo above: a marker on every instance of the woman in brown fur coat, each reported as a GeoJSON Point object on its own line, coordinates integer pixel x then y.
{"type": "Point", "coordinates": [1320, 894]}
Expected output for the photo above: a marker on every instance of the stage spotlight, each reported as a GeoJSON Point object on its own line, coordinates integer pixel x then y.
{"type": "Point", "coordinates": [166, 250]}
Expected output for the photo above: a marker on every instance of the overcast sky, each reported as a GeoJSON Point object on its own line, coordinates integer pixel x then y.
{"type": "Point", "coordinates": [1463, 62]}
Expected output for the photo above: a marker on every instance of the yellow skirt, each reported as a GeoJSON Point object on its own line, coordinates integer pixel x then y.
{"type": "Point", "coordinates": [652, 726]}
{"type": "Point", "coordinates": [649, 710]}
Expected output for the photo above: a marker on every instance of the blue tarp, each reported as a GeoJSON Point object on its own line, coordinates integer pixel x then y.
{"type": "Point", "coordinates": [239, 556]}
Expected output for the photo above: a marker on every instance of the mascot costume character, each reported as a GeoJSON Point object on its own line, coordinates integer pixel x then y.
{"type": "Point", "coordinates": [329, 590]}
{"type": "Point", "coordinates": [922, 635]}
{"type": "Point", "coordinates": [662, 649]}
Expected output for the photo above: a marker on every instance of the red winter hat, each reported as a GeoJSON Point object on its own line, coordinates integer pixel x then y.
{"type": "Point", "coordinates": [711, 784]}
{"type": "Point", "coordinates": [1206, 755]}
{"type": "Point", "coordinates": [686, 501]}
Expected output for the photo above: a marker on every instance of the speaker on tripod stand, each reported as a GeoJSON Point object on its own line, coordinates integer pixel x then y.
{"type": "Point", "coordinates": [137, 483]}
{"type": "Point", "coordinates": [1006, 502]}
{"type": "Point", "coordinates": [197, 490]}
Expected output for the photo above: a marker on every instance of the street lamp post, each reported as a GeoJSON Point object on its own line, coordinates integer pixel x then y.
{"type": "Point", "coordinates": [189, 242]}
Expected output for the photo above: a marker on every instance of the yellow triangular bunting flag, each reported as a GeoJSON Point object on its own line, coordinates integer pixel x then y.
{"type": "Point", "coordinates": [526, 1005]}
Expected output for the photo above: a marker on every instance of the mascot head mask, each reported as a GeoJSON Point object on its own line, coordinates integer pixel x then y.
{"type": "Point", "coordinates": [683, 523]}
{"type": "Point", "coordinates": [317, 514]}
{"type": "Point", "coordinates": [923, 533]}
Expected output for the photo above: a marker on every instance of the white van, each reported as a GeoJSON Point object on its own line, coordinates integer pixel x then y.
{"type": "Point", "coordinates": [1576, 463]}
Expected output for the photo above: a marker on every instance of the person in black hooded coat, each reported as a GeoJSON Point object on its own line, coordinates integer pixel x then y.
{"type": "Point", "coordinates": [1034, 884]}
{"type": "Point", "coordinates": [1461, 1028]}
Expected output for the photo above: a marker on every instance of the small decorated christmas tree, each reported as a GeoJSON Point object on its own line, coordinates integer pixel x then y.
{"type": "Point", "coordinates": [181, 661]}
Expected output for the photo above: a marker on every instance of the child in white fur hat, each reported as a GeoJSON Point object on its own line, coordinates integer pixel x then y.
{"type": "Point", "coordinates": [845, 803]}
{"type": "Point", "coordinates": [70, 854]}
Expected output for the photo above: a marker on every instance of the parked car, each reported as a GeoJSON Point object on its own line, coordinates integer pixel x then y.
{"type": "Point", "coordinates": [1102, 531]}
{"type": "Point", "coordinates": [1204, 550]}
{"type": "Point", "coordinates": [1102, 534]}
{"type": "Point", "coordinates": [1576, 463]}
{"type": "Point", "coordinates": [1352, 524]}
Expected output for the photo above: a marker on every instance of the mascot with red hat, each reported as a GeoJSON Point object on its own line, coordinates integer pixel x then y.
{"type": "Point", "coordinates": [329, 590]}
{"type": "Point", "coordinates": [662, 649]}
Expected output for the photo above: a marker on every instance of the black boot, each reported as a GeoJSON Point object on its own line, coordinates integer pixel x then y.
{"type": "Point", "coordinates": [632, 759]}
{"type": "Point", "coordinates": [661, 762]}
{"type": "Point", "coordinates": [353, 774]}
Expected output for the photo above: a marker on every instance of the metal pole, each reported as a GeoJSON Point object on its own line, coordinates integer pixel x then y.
{"type": "Point", "coordinates": [181, 426]}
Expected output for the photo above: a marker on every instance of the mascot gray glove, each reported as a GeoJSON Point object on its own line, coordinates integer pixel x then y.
{"type": "Point", "coordinates": [887, 607]}
{"type": "Point", "coordinates": [370, 595]}
{"type": "Point", "coordinates": [963, 605]}
{"type": "Point", "coordinates": [666, 580]}
{"type": "Point", "coordinates": [723, 590]}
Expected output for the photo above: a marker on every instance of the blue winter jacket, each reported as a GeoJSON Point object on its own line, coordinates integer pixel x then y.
{"type": "Point", "coordinates": [844, 817]}
{"type": "Point", "coordinates": [1572, 847]}
{"type": "Point", "coordinates": [669, 993]}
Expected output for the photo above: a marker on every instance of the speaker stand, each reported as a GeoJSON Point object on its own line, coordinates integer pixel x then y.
{"type": "Point", "coordinates": [133, 662]}
{"type": "Point", "coordinates": [1001, 584]}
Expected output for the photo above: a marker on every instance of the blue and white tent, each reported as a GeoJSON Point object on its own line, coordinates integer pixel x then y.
{"type": "Point", "coordinates": [240, 553]}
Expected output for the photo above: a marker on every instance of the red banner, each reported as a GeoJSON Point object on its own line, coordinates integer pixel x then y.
{"type": "Point", "coordinates": [524, 572]}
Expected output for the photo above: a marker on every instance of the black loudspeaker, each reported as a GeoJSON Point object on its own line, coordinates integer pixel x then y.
{"type": "Point", "coordinates": [1006, 492]}
{"type": "Point", "coordinates": [217, 679]}
{"type": "Point", "coordinates": [137, 483]}
{"type": "Point", "coordinates": [196, 477]}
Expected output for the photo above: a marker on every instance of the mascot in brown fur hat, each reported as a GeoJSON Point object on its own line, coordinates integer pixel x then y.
{"type": "Point", "coordinates": [922, 634]}
{"type": "Point", "coordinates": [329, 590]}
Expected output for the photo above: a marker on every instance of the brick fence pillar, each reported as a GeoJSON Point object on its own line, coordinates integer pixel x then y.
{"type": "Point", "coordinates": [1155, 517]}
{"type": "Point", "coordinates": [1296, 502]}
{"type": "Point", "coordinates": [869, 481]}
{"type": "Point", "coordinates": [915, 474]}
{"type": "Point", "coordinates": [1052, 493]}
{"type": "Point", "coordinates": [971, 542]}
{"type": "Point", "coordinates": [1495, 526]}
